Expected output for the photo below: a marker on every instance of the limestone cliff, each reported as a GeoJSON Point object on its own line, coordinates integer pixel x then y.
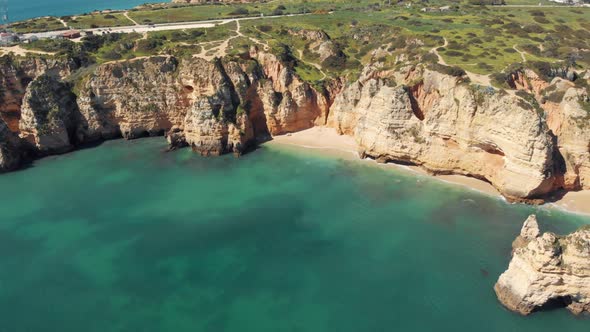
{"type": "Point", "coordinates": [448, 126]}
{"type": "Point", "coordinates": [547, 271]}
{"type": "Point", "coordinates": [294, 105]}
{"type": "Point", "coordinates": [11, 151]}
{"type": "Point", "coordinates": [411, 114]}
{"type": "Point", "coordinates": [17, 73]}
{"type": "Point", "coordinates": [49, 115]}
{"type": "Point", "coordinates": [215, 107]}
{"type": "Point", "coordinates": [130, 99]}
{"type": "Point", "coordinates": [13, 83]}
{"type": "Point", "coordinates": [570, 122]}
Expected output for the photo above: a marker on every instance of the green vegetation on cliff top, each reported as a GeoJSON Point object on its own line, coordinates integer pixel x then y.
{"type": "Point", "coordinates": [479, 39]}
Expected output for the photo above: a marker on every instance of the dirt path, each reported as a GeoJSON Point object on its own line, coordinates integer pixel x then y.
{"type": "Point", "coordinates": [220, 50]}
{"type": "Point", "coordinates": [520, 52]}
{"type": "Point", "coordinates": [126, 14]}
{"type": "Point", "coordinates": [317, 66]}
{"type": "Point", "coordinates": [19, 51]}
{"type": "Point", "coordinates": [475, 78]}
{"type": "Point", "coordinates": [63, 22]}
{"type": "Point", "coordinates": [128, 60]}
{"type": "Point", "coordinates": [435, 51]}
{"type": "Point", "coordinates": [483, 80]}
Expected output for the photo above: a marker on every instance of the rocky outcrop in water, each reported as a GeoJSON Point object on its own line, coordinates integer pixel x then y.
{"type": "Point", "coordinates": [547, 271]}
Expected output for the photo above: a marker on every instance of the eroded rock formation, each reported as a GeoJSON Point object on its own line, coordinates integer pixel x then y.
{"type": "Point", "coordinates": [547, 271]}
{"type": "Point", "coordinates": [215, 107]}
{"type": "Point", "coordinates": [411, 114]}
{"type": "Point", "coordinates": [11, 151]}
{"type": "Point", "coordinates": [49, 115]}
{"type": "Point", "coordinates": [446, 126]}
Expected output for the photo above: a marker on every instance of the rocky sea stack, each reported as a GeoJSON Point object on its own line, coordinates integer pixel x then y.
{"type": "Point", "coordinates": [547, 271]}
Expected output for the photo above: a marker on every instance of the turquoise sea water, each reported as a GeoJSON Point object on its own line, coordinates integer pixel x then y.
{"type": "Point", "coordinates": [126, 237]}
{"type": "Point", "coordinates": [22, 10]}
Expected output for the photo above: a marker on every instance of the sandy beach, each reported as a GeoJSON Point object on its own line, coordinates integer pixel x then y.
{"type": "Point", "coordinates": [328, 140]}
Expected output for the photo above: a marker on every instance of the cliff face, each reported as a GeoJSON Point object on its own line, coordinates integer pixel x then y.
{"type": "Point", "coordinates": [16, 74]}
{"type": "Point", "coordinates": [547, 271]}
{"type": "Point", "coordinates": [412, 115]}
{"type": "Point", "coordinates": [214, 107]}
{"type": "Point", "coordinates": [570, 121]}
{"type": "Point", "coordinates": [49, 115]}
{"type": "Point", "coordinates": [11, 152]}
{"type": "Point", "coordinates": [13, 83]}
{"type": "Point", "coordinates": [130, 99]}
{"type": "Point", "coordinates": [447, 126]}
{"type": "Point", "coordinates": [294, 105]}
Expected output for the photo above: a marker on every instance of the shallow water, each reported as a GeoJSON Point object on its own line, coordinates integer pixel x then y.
{"type": "Point", "coordinates": [125, 237]}
{"type": "Point", "coordinates": [22, 10]}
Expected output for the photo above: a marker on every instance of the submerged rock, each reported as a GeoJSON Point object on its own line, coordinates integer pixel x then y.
{"type": "Point", "coordinates": [547, 271]}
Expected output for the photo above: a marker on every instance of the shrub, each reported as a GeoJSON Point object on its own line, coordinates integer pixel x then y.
{"type": "Point", "coordinates": [239, 11]}
{"type": "Point", "coordinates": [148, 45]}
{"type": "Point", "coordinates": [541, 19]}
{"type": "Point", "coordinates": [454, 53]}
{"type": "Point", "coordinates": [533, 28]}
{"type": "Point", "coordinates": [448, 70]}
{"type": "Point", "coordinates": [265, 28]}
{"type": "Point", "coordinates": [500, 80]}
{"type": "Point", "coordinates": [555, 97]}
{"type": "Point", "coordinates": [112, 55]}
{"type": "Point", "coordinates": [429, 58]}
{"type": "Point", "coordinates": [335, 62]}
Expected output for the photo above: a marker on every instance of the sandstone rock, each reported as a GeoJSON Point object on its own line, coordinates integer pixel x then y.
{"type": "Point", "coordinates": [409, 114]}
{"type": "Point", "coordinates": [289, 104]}
{"type": "Point", "coordinates": [548, 271]}
{"type": "Point", "coordinates": [449, 127]}
{"type": "Point", "coordinates": [16, 73]}
{"type": "Point", "coordinates": [215, 107]}
{"type": "Point", "coordinates": [528, 81]}
{"type": "Point", "coordinates": [11, 153]}
{"type": "Point", "coordinates": [131, 99]}
{"type": "Point", "coordinates": [319, 42]}
{"type": "Point", "coordinates": [49, 115]}
{"type": "Point", "coordinates": [570, 122]}
{"type": "Point", "coordinates": [530, 230]}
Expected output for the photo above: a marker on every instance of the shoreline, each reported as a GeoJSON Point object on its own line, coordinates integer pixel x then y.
{"type": "Point", "coordinates": [328, 140]}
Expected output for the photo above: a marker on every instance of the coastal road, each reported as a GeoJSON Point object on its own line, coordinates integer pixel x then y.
{"type": "Point", "coordinates": [161, 26]}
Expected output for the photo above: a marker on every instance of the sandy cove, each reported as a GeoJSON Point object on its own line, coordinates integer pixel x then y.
{"type": "Point", "coordinates": [328, 140]}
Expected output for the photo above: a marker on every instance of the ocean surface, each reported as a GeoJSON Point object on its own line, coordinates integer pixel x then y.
{"type": "Point", "coordinates": [19, 10]}
{"type": "Point", "coordinates": [127, 237]}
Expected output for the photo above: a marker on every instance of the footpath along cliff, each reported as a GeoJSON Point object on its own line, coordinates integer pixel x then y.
{"type": "Point", "coordinates": [415, 114]}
